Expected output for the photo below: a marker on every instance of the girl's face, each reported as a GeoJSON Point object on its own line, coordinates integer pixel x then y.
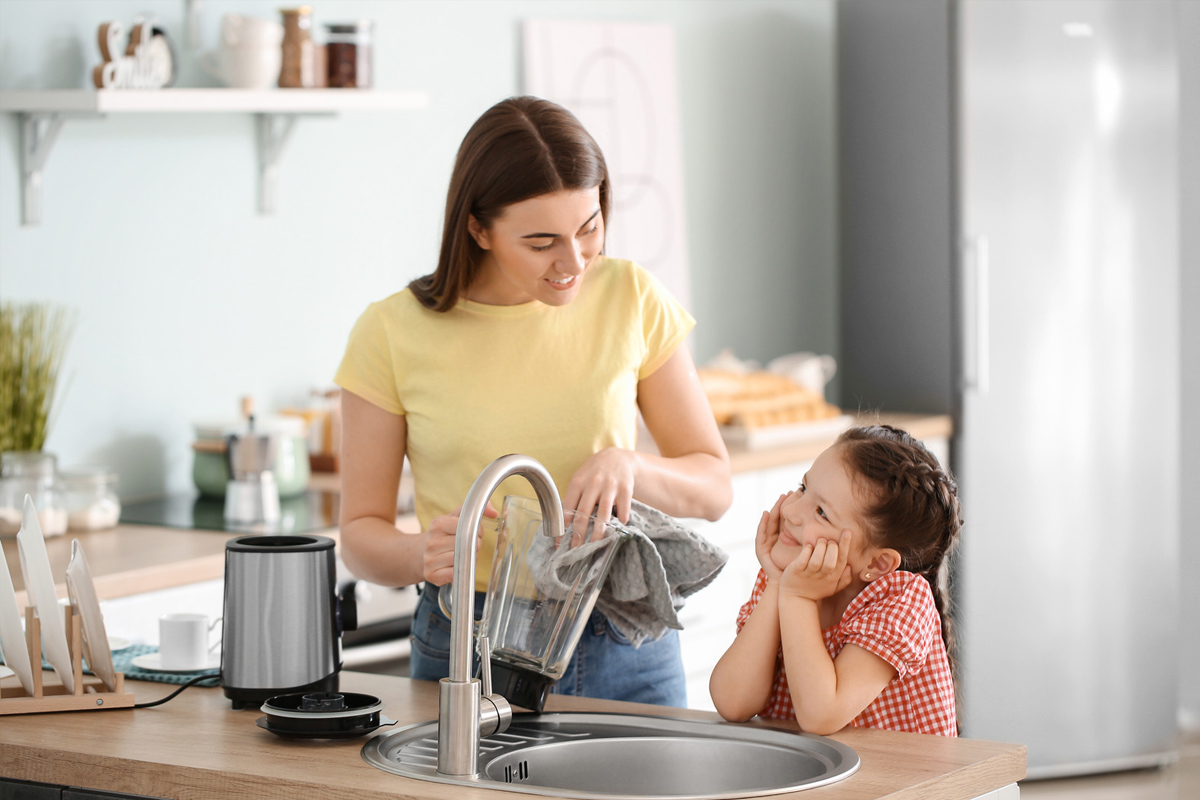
{"type": "Point", "coordinates": [539, 249]}
{"type": "Point", "coordinates": [822, 507]}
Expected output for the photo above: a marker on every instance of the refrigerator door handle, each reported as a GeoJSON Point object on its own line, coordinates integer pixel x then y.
{"type": "Point", "coordinates": [976, 303]}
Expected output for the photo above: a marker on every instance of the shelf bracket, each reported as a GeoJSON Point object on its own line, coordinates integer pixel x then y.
{"type": "Point", "coordinates": [273, 132]}
{"type": "Point", "coordinates": [39, 131]}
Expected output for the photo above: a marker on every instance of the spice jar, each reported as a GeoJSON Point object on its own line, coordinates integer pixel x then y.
{"type": "Point", "coordinates": [34, 474]}
{"type": "Point", "coordinates": [298, 65]}
{"type": "Point", "coordinates": [349, 54]}
{"type": "Point", "coordinates": [91, 498]}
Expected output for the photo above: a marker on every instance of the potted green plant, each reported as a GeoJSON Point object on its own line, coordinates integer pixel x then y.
{"type": "Point", "coordinates": [33, 339]}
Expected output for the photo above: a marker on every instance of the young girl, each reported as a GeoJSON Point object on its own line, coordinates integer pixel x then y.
{"type": "Point", "coordinates": [848, 602]}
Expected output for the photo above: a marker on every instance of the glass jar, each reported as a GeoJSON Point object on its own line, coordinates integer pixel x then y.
{"type": "Point", "coordinates": [298, 64]}
{"type": "Point", "coordinates": [30, 473]}
{"type": "Point", "coordinates": [91, 498]}
{"type": "Point", "coordinates": [349, 54]}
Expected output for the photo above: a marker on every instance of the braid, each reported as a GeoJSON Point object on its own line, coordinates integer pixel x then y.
{"type": "Point", "coordinates": [915, 509]}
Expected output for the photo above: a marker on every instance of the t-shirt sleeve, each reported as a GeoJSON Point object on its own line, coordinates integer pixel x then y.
{"type": "Point", "coordinates": [367, 367]}
{"type": "Point", "coordinates": [899, 626]}
{"type": "Point", "coordinates": [665, 322]}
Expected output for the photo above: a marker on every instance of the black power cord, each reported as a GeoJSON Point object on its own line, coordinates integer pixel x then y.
{"type": "Point", "coordinates": [198, 680]}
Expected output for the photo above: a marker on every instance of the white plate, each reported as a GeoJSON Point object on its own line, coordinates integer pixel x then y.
{"type": "Point", "coordinates": [5, 671]}
{"type": "Point", "coordinates": [39, 583]}
{"type": "Point", "coordinates": [83, 597]}
{"type": "Point", "coordinates": [116, 643]}
{"type": "Point", "coordinates": [153, 663]}
{"type": "Point", "coordinates": [12, 634]}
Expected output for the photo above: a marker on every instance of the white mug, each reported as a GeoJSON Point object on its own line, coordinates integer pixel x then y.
{"type": "Point", "coordinates": [248, 66]}
{"type": "Point", "coordinates": [238, 30]}
{"type": "Point", "coordinates": [183, 641]}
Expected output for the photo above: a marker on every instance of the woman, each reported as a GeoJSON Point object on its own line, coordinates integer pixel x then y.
{"type": "Point", "coordinates": [526, 339]}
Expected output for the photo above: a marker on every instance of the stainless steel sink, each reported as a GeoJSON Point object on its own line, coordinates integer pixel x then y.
{"type": "Point", "coordinates": [627, 756]}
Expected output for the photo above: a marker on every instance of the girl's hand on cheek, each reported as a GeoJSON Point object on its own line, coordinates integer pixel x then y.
{"type": "Point", "coordinates": [819, 571]}
{"type": "Point", "coordinates": [768, 535]}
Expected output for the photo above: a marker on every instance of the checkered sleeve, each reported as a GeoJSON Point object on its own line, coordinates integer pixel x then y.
{"type": "Point", "coordinates": [760, 586]}
{"type": "Point", "coordinates": [899, 624]}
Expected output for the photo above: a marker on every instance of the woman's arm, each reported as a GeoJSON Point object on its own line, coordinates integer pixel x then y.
{"type": "Point", "coordinates": [741, 682]}
{"type": "Point", "coordinates": [372, 457]}
{"type": "Point", "coordinates": [689, 477]}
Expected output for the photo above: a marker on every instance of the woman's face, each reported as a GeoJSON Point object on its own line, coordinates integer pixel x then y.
{"type": "Point", "coordinates": [539, 249]}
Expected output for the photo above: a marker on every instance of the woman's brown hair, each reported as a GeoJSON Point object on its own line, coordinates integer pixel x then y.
{"type": "Point", "coordinates": [911, 506]}
{"type": "Point", "coordinates": [520, 148]}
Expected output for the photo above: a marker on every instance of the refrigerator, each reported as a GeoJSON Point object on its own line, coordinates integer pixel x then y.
{"type": "Point", "coordinates": [1010, 256]}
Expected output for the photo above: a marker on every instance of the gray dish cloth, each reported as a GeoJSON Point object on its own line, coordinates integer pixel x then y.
{"type": "Point", "coordinates": [654, 572]}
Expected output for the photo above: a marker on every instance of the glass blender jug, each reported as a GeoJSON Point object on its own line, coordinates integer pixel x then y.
{"type": "Point", "coordinates": [541, 594]}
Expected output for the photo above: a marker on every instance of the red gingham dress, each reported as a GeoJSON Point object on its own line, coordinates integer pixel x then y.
{"type": "Point", "coordinates": [895, 618]}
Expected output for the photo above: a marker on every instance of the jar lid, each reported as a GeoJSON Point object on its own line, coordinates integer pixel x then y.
{"type": "Point", "coordinates": [27, 463]}
{"type": "Point", "coordinates": [285, 424]}
{"type": "Point", "coordinates": [88, 477]}
{"type": "Point", "coordinates": [358, 26]}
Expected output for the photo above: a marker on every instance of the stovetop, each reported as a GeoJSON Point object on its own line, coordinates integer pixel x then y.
{"type": "Point", "coordinates": [315, 510]}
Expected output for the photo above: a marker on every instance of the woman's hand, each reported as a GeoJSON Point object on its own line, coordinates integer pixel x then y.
{"type": "Point", "coordinates": [603, 485]}
{"type": "Point", "coordinates": [767, 536]}
{"type": "Point", "coordinates": [439, 545]}
{"type": "Point", "coordinates": [820, 570]}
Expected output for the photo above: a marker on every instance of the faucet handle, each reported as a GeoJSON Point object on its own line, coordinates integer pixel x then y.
{"type": "Point", "coordinates": [495, 713]}
{"type": "Point", "coordinates": [484, 648]}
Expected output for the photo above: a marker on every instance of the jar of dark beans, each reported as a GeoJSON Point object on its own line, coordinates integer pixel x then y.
{"type": "Point", "coordinates": [348, 52]}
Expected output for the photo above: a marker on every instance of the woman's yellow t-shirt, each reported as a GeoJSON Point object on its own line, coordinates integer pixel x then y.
{"type": "Point", "coordinates": [557, 383]}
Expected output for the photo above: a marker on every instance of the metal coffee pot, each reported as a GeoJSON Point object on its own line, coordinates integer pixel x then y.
{"type": "Point", "coordinates": [252, 495]}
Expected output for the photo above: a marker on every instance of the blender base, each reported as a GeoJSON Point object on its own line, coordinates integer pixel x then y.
{"type": "Point", "coordinates": [521, 687]}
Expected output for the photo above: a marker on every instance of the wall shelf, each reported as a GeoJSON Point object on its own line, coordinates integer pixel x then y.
{"type": "Point", "coordinates": [42, 114]}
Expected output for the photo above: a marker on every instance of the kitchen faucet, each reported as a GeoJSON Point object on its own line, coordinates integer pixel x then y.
{"type": "Point", "coordinates": [467, 712]}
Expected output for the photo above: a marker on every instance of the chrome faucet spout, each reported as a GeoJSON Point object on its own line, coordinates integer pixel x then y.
{"type": "Point", "coordinates": [465, 713]}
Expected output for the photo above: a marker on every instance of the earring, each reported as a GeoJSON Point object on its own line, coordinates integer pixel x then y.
{"type": "Point", "coordinates": [866, 576]}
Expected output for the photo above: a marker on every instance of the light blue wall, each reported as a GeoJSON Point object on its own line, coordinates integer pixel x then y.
{"type": "Point", "coordinates": [188, 299]}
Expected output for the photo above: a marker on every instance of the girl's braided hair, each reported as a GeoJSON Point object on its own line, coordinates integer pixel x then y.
{"type": "Point", "coordinates": [912, 506]}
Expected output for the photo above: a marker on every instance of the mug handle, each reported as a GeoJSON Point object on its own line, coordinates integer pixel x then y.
{"type": "Point", "coordinates": [230, 23]}
{"type": "Point", "coordinates": [217, 643]}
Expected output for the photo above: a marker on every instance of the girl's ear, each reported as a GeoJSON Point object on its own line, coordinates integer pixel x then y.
{"type": "Point", "coordinates": [478, 233]}
{"type": "Point", "coordinates": [882, 562]}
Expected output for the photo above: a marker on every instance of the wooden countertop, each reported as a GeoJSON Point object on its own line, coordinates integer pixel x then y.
{"type": "Point", "coordinates": [195, 747]}
{"type": "Point", "coordinates": [133, 559]}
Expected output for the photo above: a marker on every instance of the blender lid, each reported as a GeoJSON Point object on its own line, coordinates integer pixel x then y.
{"type": "Point", "coordinates": [323, 715]}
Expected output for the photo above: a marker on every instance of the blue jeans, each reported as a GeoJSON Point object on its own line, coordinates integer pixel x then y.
{"type": "Point", "coordinates": [604, 666]}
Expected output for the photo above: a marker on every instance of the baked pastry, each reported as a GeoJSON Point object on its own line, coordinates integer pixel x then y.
{"type": "Point", "coordinates": [759, 398]}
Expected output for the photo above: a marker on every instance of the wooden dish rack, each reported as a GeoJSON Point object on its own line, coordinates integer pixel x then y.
{"type": "Point", "coordinates": [90, 692]}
